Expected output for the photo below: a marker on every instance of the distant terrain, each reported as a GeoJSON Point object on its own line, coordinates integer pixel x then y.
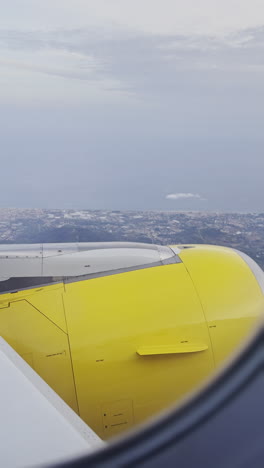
{"type": "Point", "coordinates": [242, 231]}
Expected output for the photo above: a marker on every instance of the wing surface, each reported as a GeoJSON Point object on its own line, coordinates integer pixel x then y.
{"type": "Point", "coordinates": [37, 427]}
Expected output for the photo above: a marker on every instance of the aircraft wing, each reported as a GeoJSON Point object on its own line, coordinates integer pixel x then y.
{"type": "Point", "coordinates": [37, 426]}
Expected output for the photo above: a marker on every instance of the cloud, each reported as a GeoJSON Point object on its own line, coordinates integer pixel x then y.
{"type": "Point", "coordinates": [184, 196]}
{"type": "Point", "coordinates": [141, 62]}
{"type": "Point", "coordinates": [56, 71]}
{"type": "Point", "coordinates": [195, 80]}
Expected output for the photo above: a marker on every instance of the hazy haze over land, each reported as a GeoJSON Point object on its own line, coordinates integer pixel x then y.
{"type": "Point", "coordinates": [143, 104]}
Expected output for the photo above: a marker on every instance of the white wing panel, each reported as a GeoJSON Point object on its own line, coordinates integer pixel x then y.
{"type": "Point", "coordinates": [37, 427]}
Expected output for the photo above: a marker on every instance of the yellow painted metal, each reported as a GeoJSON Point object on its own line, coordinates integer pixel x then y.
{"type": "Point", "coordinates": [118, 414]}
{"type": "Point", "coordinates": [40, 342]}
{"type": "Point", "coordinates": [130, 344]}
{"type": "Point", "coordinates": [110, 318]}
{"type": "Point", "coordinates": [47, 299]}
{"type": "Point", "coordinates": [50, 304]}
{"type": "Point", "coordinates": [229, 293]}
{"type": "Point", "coordinates": [172, 349]}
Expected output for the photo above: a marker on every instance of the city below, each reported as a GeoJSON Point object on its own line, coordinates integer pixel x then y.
{"type": "Point", "coordinates": [241, 231]}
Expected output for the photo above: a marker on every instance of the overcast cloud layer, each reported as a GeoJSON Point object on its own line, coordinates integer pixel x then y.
{"type": "Point", "coordinates": [132, 105]}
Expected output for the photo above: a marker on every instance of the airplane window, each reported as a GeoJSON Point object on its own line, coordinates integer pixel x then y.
{"type": "Point", "coordinates": [131, 202]}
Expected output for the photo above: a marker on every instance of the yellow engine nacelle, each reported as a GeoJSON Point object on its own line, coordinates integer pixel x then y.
{"type": "Point", "coordinates": [121, 331]}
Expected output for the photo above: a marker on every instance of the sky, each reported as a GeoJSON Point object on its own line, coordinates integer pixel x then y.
{"type": "Point", "coordinates": [132, 104]}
